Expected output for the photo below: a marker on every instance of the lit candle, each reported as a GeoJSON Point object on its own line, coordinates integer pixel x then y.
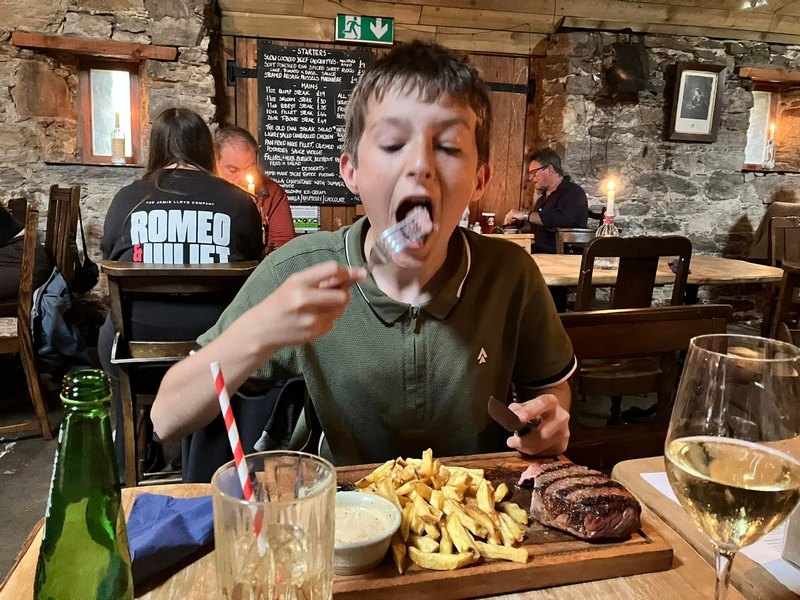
{"type": "Point", "coordinates": [771, 131]}
{"type": "Point", "coordinates": [610, 211]}
{"type": "Point", "coordinates": [251, 186]}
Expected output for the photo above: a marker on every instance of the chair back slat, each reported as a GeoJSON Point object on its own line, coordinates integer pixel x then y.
{"type": "Point", "coordinates": [572, 240]}
{"type": "Point", "coordinates": [25, 297]}
{"type": "Point", "coordinates": [636, 273]}
{"type": "Point", "coordinates": [62, 226]}
{"type": "Point", "coordinates": [632, 332]}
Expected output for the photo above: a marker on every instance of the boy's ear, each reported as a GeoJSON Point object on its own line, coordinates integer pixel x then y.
{"type": "Point", "coordinates": [347, 169]}
{"type": "Point", "coordinates": [482, 178]}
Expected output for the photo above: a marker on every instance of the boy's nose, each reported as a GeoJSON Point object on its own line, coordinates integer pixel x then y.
{"type": "Point", "coordinates": [420, 161]}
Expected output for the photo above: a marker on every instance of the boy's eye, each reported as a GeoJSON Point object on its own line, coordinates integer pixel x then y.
{"type": "Point", "coordinates": [395, 147]}
{"type": "Point", "coordinates": [450, 150]}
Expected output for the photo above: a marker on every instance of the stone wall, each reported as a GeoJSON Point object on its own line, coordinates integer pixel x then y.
{"type": "Point", "coordinates": [38, 120]}
{"type": "Point", "coordinates": [787, 135]}
{"type": "Point", "coordinates": [692, 189]}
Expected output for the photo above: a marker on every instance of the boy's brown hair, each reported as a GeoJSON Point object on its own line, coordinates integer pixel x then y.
{"type": "Point", "coordinates": [432, 71]}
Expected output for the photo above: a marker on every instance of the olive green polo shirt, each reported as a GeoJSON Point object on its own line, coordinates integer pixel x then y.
{"type": "Point", "coordinates": [391, 379]}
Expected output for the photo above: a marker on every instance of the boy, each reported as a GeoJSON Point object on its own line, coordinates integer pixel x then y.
{"type": "Point", "coordinates": [422, 343]}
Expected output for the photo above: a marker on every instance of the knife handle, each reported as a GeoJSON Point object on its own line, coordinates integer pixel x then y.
{"type": "Point", "coordinates": [529, 426]}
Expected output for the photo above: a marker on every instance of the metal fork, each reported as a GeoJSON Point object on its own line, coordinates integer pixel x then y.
{"type": "Point", "coordinates": [398, 237]}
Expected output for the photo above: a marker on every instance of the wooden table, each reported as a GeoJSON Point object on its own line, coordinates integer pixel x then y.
{"type": "Point", "coordinates": [747, 576]}
{"type": "Point", "coordinates": [690, 576]}
{"type": "Point", "coordinates": [562, 270]}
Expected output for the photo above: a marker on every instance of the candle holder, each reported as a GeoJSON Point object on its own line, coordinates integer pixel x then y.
{"type": "Point", "coordinates": [607, 229]}
{"type": "Point", "coordinates": [769, 155]}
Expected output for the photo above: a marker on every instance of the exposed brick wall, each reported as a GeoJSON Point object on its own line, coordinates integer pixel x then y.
{"type": "Point", "coordinates": [692, 189]}
{"type": "Point", "coordinates": [38, 120]}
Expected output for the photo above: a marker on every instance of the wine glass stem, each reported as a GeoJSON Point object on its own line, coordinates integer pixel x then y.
{"type": "Point", "coordinates": [724, 559]}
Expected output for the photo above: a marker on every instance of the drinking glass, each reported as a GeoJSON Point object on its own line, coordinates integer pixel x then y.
{"type": "Point", "coordinates": [280, 544]}
{"type": "Point", "coordinates": [732, 447]}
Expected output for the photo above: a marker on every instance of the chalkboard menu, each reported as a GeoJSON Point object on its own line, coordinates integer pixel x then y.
{"type": "Point", "coordinates": [302, 93]}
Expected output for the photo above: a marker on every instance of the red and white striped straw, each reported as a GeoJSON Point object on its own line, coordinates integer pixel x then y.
{"type": "Point", "coordinates": [236, 447]}
{"type": "Point", "coordinates": [233, 431]}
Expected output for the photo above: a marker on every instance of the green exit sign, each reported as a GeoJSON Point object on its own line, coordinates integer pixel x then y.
{"type": "Point", "coordinates": [368, 30]}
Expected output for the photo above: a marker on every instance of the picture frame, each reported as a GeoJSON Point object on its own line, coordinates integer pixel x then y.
{"type": "Point", "coordinates": [696, 102]}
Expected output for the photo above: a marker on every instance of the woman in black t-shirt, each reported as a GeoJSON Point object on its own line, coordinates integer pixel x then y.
{"type": "Point", "coordinates": [179, 212]}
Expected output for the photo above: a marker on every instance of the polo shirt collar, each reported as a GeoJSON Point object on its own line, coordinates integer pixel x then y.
{"type": "Point", "coordinates": [458, 266]}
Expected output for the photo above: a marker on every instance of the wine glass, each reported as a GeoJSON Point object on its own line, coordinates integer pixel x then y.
{"type": "Point", "coordinates": [733, 442]}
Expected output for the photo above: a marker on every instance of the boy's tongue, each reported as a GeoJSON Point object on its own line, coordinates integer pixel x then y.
{"type": "Point", "coordinates": [418, 225]}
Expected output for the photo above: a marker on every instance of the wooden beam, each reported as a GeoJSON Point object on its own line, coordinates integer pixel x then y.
{"type": "Point", "coordinates": [666, 28]}
{"type": "Point", "coordinates": [776, 75]}
{"type": "Point", "coordinates": [408, 33]}
{"type": "Point", "coordinates": [278, 26]}
{"type": "Point", "coordinates": [488, 19]}
{"type": "Point", "coordinates": [500, 42]}
{"type": "Point", "coordinates": [526, 6]}
{"type": "Point", "coordinates": [265, 7]}
{"type": "Point", "coordinates": [643, 12]}
{"type": "Point", "coordinates": [401, 13]}
{"type": "Point", "coordinates": [93, 47]}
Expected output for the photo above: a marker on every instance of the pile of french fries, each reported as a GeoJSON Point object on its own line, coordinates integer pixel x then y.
{"type": "Point", "coordinates": [451, 516]}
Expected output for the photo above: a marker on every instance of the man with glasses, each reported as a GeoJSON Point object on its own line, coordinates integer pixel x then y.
{"type": "Point", "coordinates": [562, 202]}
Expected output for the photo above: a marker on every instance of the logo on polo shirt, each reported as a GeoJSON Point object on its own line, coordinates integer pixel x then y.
{"type": "Point", "coordinates": [482, 356]}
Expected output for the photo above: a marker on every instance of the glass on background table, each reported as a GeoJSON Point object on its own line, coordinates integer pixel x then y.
{"type": "Point", "coordinates": [728, 451]}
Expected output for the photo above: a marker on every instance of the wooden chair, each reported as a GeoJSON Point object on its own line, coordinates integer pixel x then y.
{"type": "Point", "coordinates": [573, 240]}
{"type": "Point", "coordinates": [16, 336]}
{"type": "Point", "coordinates": [625, 334]}
{"type": "Point", "coordinates": [783, 240]}
{"type": "Point", "coordinates": [638, 263]}
{"type": "Point", "coordinates": [783, 244]}
{"type": "Point", "coordinates": [62, 226]}
{"type": "Point", "coordinates": [786, 303]}
{"type": "Point", "coordinates": [129, 282]}
{"type": "Point", "coordinates": [636, 274]}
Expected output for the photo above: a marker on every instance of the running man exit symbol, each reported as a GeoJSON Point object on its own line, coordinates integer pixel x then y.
{"type": "Point", "coordinates": [368, 30]}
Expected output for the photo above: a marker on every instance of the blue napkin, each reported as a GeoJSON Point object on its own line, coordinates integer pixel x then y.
{"type": "Point", "coordinates": [163, 530]}
{"type": "Point", "coordinates": [673, 266]}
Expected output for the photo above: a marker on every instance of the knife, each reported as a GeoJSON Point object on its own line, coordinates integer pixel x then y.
{"type": "Point", "coordinates": [509, 419]}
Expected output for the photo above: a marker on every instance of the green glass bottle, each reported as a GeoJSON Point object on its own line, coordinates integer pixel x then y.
{"type": "Point", "coordinates": [84, 552]}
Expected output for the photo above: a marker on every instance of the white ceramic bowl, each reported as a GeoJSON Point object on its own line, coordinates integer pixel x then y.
{"type": "Point", "coordinates": [367, 535]}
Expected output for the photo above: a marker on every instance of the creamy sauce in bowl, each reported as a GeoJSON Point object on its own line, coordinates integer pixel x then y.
{"type": "Point", "coordinates": [357, 523]}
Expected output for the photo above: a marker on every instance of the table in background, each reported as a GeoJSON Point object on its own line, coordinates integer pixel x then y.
{"type": "Point", "coordinates": [747, 576]}
{"type": "Point", "coordinates": [689, 577]}
{"type": "Point", "coordinates": [563, 270]}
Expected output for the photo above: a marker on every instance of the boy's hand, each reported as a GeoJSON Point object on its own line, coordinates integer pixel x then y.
{"type": "Point", "coordinates": [306, 305]}
{"type": "Point", "coordinates": [550, 438]}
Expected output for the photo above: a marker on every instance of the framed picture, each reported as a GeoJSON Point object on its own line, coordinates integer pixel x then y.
{"type": "Point", "coordinates": [696, 102]}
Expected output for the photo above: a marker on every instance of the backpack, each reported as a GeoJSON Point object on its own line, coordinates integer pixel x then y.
{"type": "Point", "coordinates": [57, 341]}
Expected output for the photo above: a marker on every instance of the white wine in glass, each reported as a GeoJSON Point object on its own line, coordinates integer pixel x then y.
{"type": "Point", "coordinates": [733, 442]}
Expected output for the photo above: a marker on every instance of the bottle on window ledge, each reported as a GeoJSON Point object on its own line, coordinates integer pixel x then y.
{"type": "Point", "coordinates": [117, 143]}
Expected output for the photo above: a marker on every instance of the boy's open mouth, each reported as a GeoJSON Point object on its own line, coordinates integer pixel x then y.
{"type": "Point", "coordinates": [408, 204]}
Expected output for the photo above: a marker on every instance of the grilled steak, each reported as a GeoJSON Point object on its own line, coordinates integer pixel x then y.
{"type": "Point", "coordinates": [583, 502]}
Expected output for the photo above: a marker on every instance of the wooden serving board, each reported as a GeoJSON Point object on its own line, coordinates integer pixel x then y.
{"type": "Point", "coordinates": [554, 557]}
